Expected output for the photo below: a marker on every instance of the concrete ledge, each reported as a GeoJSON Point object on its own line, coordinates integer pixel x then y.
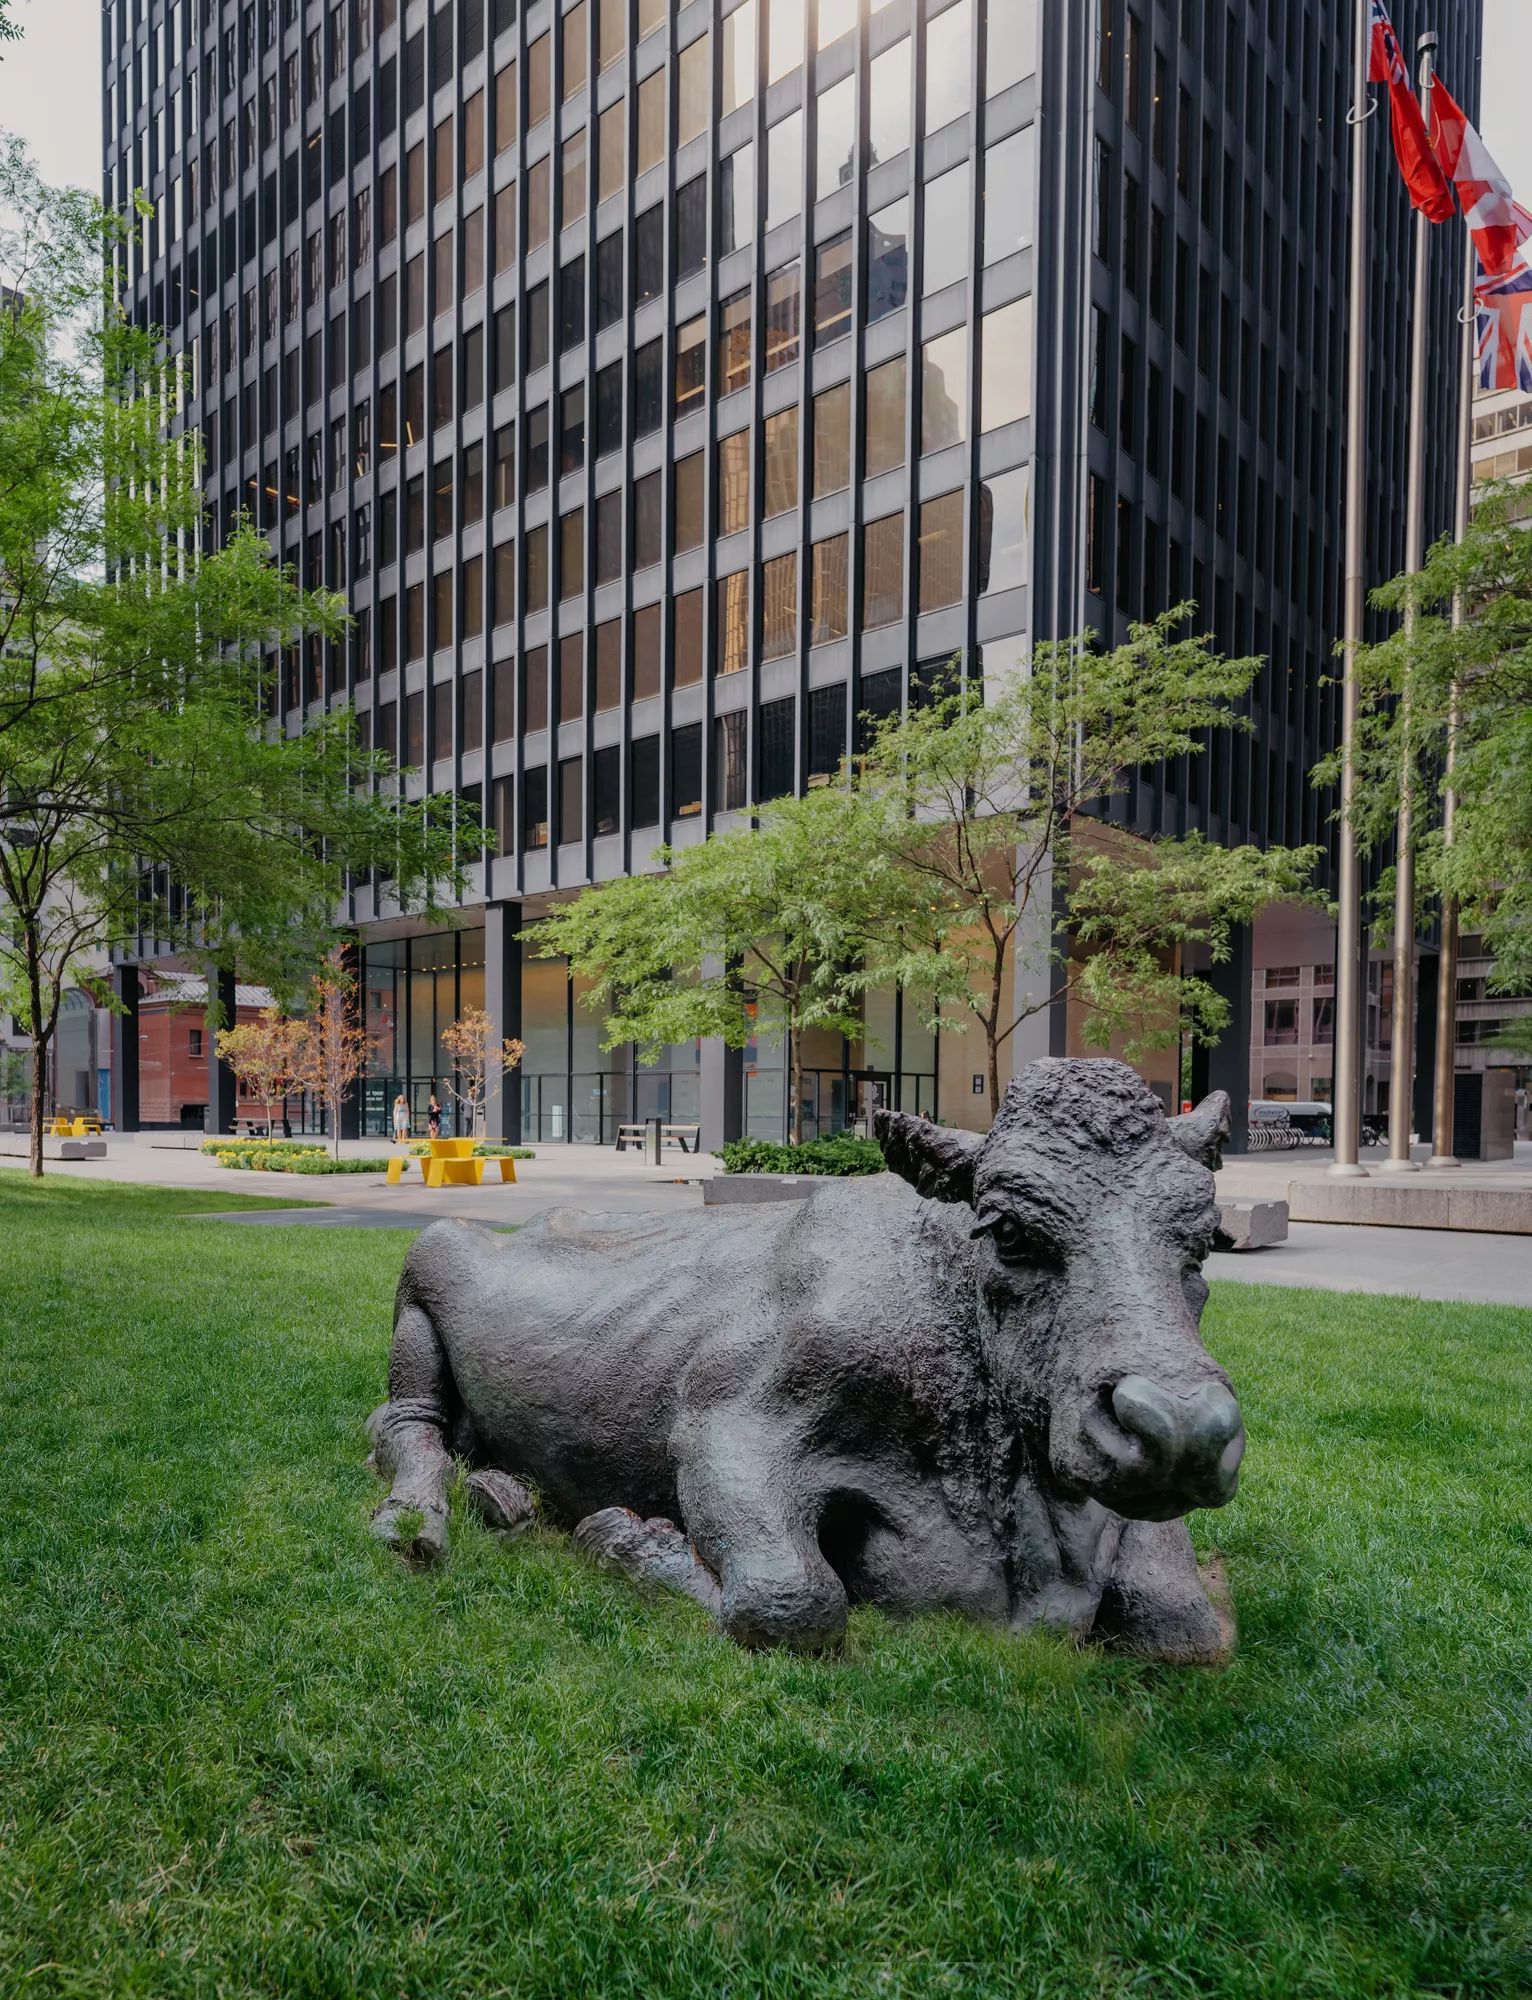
{"type": "Point", "coordinates": [1388, 1204]}
{"type": "Point", "coordinates": [728, 1190]}
{"type": "Point", "coordinates": [82, 1149]}
{"type": "Point", "coordinates": [1251, 1225]}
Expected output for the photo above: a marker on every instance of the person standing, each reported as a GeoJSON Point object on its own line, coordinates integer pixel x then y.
{"type": "Point", "coordinates": [434, 1116]}
{"type": "Point", "coordinates": [401, 1119]}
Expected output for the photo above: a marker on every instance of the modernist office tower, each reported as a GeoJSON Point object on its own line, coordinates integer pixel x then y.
{"type": "Point", "coordinates": [668, 385]}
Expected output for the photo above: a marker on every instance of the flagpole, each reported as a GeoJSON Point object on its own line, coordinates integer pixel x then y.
{"type": "Point", "coordinates": [1444, 1109]}
{"type": "Point", "coordinates": [1401, 1080]}
{"type": "Point", "coordinates": [1346, 1087]}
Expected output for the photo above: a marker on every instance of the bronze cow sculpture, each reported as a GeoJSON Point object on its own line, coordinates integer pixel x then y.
{"type": "Point", "coordinates": [974, 1382]}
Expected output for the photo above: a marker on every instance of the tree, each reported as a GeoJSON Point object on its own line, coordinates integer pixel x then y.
{"type": "Point", "coordinates": [10, 31]}
{"type": "Point", "coordinates": [335, 1048]}
{"type": "Point", "coordinates": [1470, 685]}
{"type": "Point", "coordinates": [751, 933]}
{"type": "Point", "coordinates": [480, 1061]}
{"type": "Point", "coordinates": [141, 789]}
{"type": "Point", "coordinates": [995, 806]}
{"type": "Point", "coordinates": [268, 1056]}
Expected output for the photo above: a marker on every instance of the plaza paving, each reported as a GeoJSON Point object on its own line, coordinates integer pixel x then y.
{"type": "Point", "coordinates": [1427, 1264]}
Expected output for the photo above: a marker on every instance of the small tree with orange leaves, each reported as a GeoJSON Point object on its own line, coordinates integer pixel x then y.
{"type": "Point", "coordinates": [266, 1055]}
{"type": "Point", "coordinates": [480, 1060]}
{"type": "Point", "coordinates": [336, 1048]}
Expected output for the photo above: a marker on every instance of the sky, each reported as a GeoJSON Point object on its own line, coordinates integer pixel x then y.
{"type": "Point", "coordinates": [50, 94]}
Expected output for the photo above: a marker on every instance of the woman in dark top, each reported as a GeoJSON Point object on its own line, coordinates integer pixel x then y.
{"type": "Point", "coordinates": [434, 1117]}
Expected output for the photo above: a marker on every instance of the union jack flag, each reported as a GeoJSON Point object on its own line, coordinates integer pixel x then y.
{"type": "Point", "coordinates": [1505, 330]}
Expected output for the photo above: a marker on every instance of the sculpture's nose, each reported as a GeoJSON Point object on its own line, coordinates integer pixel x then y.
{"type": "Point", "coordinates": [1197, 1440]}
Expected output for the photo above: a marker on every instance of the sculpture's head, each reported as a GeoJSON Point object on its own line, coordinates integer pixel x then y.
{"type": "Point", "coordinates": [1092, 1214]}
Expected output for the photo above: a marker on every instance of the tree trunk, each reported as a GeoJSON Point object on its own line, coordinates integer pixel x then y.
{"type": "Point", "coordinates": [39, 1053]}
{"type": "Point", "coordinates": [994, 1073]}
{"type": "Point", "coordinates": [795, 1084]}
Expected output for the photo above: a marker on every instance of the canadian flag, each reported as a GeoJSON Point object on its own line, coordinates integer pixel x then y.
{"type": "Point", "coordinates": [1423, 177]}
{"type": "Point", "coordinates": [1499, 223]}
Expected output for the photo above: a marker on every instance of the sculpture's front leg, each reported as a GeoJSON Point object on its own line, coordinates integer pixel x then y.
{"type": "Point", "coordinates": [1156, 1599]}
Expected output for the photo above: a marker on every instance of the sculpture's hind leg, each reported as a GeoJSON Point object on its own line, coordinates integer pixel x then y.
{"type": "Point", "coordinates": [410, 1439]}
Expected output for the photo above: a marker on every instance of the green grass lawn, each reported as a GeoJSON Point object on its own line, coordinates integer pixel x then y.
{"type": "Point", "coordinates": [243, 1751]}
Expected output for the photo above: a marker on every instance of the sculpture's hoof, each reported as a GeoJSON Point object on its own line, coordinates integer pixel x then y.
{"type": "Point", "coordinates": [418, 1533]}
{"type": "Point", "coordinates": [655, 1553]}
{"type": "Point", "coordinates": [503, 1504]}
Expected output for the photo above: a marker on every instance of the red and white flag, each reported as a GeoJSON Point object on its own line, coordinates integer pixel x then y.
{"type": "Point", "coordinates": [1499, 223]}
{"type": "Point", "coordinates": [1423, 176]}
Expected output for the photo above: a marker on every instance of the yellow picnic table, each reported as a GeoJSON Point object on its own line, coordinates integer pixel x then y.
{"type": "Point", "coordinates": [87, 1126]}
{"type": "Point", "coordinates": [451, 1163]}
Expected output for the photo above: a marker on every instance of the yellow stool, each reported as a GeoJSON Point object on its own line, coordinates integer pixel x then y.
{"type": "Point", "coordinates": [451, 1163]}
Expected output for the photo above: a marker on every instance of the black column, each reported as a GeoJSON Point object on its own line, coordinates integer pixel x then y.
{"type": "Point", "coordinates": [125, 986]}
{"type": "Point", "coordinates": [1427, 984]}
{"type": "Point", "coordinates": [1228, 1065]}
{"type": "Point", "coordinates": [222, 1091]}
{"type": "Point", "coordinates": [502, 1002]}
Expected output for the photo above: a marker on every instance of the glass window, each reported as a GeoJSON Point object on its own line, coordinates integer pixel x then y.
{"type": "Point", "coordinates": [733, 482]}
{"type": "Point", "coordinates": [644, 782]}
{"type": "Point", "coordinates": [608, 537]}
{"type": "Point", "coordinates": [571, 305]}
{"type": "Point", "coordinates": [572, 181]}
{"type": "Point", "coordinates": [539, 194]}
{"type": "Point", "coordinates": [779, 607]}
{"type": "Point", "coordinates": [729, 760]}
{"type": "Point", "coordinates": [781, 462]}
{"type": "Point", "coordinates": [691, 227]}
{"type": "Point", "coordinates": [609, 665]}
{"type": "Point", "coordinates": [611, 269]}
{"type": "Point", "coordinates": [689, 502]}
{"type": "Point", "coordinates": [651, 13]}
{"type": "Point", "coordinates": [1006, 365]}
{"type": "Point", "coordinates": [784, 309]}
{"type": "Point", "coordinates": [836, 18]}
{"type": "Point", "coordinates": [736, 200]}
{"type": "Point", "coordinates": [886, 393]}
{"type": "Point", "coordinates": [784, 169]}
{"type": "Point", "coordinates": [645, 654]}
{"type": "Point", "coordinates": [648, 388]}
{"type": "Point", "coordinates": [835, 148]}
{"type": "Point", "coordinates": [687, 670]}
{"type": "Point", "coordinates": [574, 51]}
{"type": "Point", "coordinates": [537, 569]}
{"type": "Point", "coordinates": [572, 677]}
{"type": "Point", "coordinates": [536, 324]}
{"type": "Point", "coordinates": [612, 149]}
{"type": "Point", "coordinates": [505, 465]}
{"type": "Point", "coordinates": [539, 84]}
{"type": "Point", "coordinates": [1009, 170]}
{"type": "Point", "coordinates": [1005, 532]}
{"type": "Point", "coordinates": [883, 571]}
{"type": "Point", "coordinates": [784, 37]}
{"type": "Point", "coordinates": [732, 640]}
{"type": "Point", "coordinates": [609, 409]}
{"type": "Point", "coordinates": [611, 32]}
{"type": "Point", "coordinates": [738, 64]}
{"type": "Point", "coordinates": [944, 390]}
{"type": "Point", "coordinates": [941, 551]}
{"type": "Point", "coordinates": [832, 439]}
{"type": "Point", "coordinates": [945, 244]}
{"type": "Point", "coordinates": [473, 135]}
{"type": "Point", "coordinates": [694, 94]}
{"type": "Point", "coordinates": [505, 107]}
{"type": "Point", "coordinates": [691, 365]}
{"type": "Point", "coordinates": [828, 608]}
{"type": "Point", "coordinates": [827, 734]}
{"type": "Point", "coordinates": [534, 809]}
{"type": "Point", "coordinates": [647, 518]}
{"type": "Point", "coordinates": [832, 289]}
{"type": "Point", "coordinates": [649, 255]}
{"type": "Point", "coordinates": [686, 771]}
{"type": "Point", "coordinates": [778, 748]}
{"type": "Point", "coordinates": [888, 103]}
{"type": "Point", "coordinates": [888, 259]}
{"type": "Point", "coordinates": [651, 121]}
{"type": "Point", "coordinates": [606, 790]}
{"type": "Point", "coordinates": [1012, 40]}
{"type": "Point", "coordinates": [734, 343]}
{"type": "Point", "coordinates": [534, 707]}
{"type": "Point", "coordinates": [949, 53]}
{"type": "Point", "coordinates": [536, 429]}
{"type": "Point", "coordinates": [572, 429]}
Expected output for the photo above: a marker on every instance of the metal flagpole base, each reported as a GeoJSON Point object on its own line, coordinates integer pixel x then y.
{"type": "Point", "coordinates": [1339, 1170]}
{"type": "Point", "coordinates": [1399, 1167]}
{"type": "Point", "coordinates": [1439, 1160]}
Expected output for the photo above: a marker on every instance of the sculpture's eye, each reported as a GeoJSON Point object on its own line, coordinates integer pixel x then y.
{"type": "Point", "coordinates": [1015, 1242]}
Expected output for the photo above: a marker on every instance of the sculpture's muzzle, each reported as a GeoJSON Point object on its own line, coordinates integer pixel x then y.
{"type": "Point", "coordinates": [1160, 1452]}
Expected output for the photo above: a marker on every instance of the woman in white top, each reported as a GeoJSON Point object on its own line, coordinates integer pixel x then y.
{"type": "Point", "coordinates": [401, 1119]}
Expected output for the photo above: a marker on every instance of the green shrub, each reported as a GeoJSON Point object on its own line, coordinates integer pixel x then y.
{"type": "Point", "coordinates": [487, 1149]}
{"type": "Point", "coordinates": [289, 1157]}
{"type": "Point", "coordinates": [219, 1146]}
{"type": "Point", "coordinates": [841, 1156]}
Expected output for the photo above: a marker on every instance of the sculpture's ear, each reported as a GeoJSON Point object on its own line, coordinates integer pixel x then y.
{"type": "Point", "coordinates": [1201, 1133]}
{"type": "Point", "coordinates": [935, 1160]}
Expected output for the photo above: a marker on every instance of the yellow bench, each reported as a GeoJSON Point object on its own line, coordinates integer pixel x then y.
{"type": "Point", "coordinates": [88, 1127]}
{"type": "Point", "coordinates": [451, 1163]}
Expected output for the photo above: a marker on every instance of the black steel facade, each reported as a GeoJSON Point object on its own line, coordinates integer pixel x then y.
{"type": "Point", "coordinates": [665, 386]}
